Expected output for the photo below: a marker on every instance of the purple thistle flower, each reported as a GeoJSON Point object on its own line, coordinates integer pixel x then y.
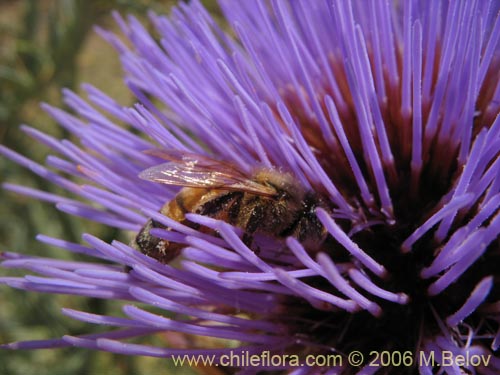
{"type": "Point", "coordinates": [389, 113]}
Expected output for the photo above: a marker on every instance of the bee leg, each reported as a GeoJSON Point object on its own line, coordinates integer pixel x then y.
{"type": "Point", "coordinates": [256, 250]}
{"type": "Point", "coordinates": [247, 239]}
{"type": "Point", "coordinates": [127, 269]}
{"type": "Point", "coordinates": [253, 223]}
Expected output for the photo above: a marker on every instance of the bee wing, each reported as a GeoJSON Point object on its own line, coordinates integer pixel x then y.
{"type": "Point", "coordinates": [199, 171]}
{"type": "Point", "coordinates": [201, 161]}
{"type": "Point", "coordinates": [175, 155]}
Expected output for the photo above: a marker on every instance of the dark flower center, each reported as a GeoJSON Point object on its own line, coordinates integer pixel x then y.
{"type": "Point", "coordinates": [401, 327]}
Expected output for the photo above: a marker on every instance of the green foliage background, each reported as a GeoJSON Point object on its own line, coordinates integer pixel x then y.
{"type": "Point", "coordinates": [46, 45]}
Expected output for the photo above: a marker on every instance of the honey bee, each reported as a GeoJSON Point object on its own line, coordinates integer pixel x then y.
{"type": "Point", "coordinates": [267, 202]}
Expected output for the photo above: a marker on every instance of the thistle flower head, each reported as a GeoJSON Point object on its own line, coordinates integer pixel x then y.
{"type": "Point", "coordinates": [387, 112]}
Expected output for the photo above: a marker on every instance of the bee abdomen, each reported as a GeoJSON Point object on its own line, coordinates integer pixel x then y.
{"type": "Point", "coordinates": [157, 248]}
{"type": "Point", "coordinates": [224, 207]}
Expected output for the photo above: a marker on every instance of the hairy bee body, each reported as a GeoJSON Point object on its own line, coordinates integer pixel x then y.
{"type": "Point", "coordinates": [268, 202]}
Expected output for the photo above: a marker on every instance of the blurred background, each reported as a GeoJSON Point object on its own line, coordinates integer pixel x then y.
{"type": "Point", "coordinates": [46, 45]}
